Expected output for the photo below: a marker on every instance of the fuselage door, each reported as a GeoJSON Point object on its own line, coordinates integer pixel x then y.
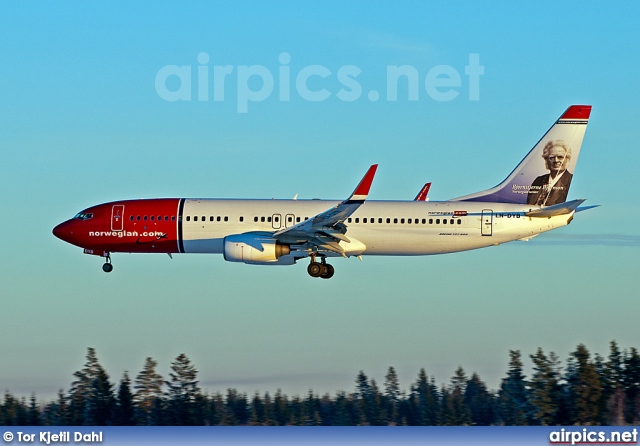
{"type": "Point", "coordinates": [487, 222]}
{"type": "Point", "coordinates": [117, 217]}
{"type": "Point", "coordinates": [276, 221]}
{"type": "Point", "coordinates": [289, 220]}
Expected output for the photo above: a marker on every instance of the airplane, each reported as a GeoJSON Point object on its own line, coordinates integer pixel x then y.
{"type": "Point", "coordinates": [422, 195]}
{"type": "Point", "coordinates": [530, 201]}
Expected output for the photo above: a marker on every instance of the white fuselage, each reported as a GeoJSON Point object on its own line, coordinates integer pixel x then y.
{"type": "Point", "coordinates": [378, 227]}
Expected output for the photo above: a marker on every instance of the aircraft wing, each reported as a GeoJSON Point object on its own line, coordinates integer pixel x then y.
{"type": "Point", "coordinates": [327, 229]}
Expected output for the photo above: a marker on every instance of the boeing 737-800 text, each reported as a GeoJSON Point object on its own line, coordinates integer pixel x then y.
{"type": "Point", "coordinates": [531, 200]}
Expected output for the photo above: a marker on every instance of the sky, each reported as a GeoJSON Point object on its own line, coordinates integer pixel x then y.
{"type": "Point", "coordinates": [108, 101]}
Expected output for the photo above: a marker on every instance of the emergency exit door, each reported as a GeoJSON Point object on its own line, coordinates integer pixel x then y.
{"type": "Point", "coordinates": [117, 217]}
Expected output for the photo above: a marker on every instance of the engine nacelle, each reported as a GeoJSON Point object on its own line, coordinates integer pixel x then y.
{"type": "Point", "coordinates": [254, 248]}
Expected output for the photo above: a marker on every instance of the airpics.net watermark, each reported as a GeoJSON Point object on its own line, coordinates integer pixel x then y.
{"type": "Point", "coordinates": [256, 83]}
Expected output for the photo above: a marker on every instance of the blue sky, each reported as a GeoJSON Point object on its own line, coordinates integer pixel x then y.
{"type": "Point", "coordinates": [82, 123]}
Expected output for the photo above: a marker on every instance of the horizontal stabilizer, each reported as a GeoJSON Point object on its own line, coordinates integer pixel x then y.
{"type": "Point", "coordinates": [556, 209]}
{"type": "Point", "coordinates": [586, 208]}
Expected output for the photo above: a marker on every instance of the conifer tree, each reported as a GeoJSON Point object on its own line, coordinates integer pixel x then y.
{"type": "Point", "coordinates": [183, 392]}
{"type": "Point", "coordinates": [101, 401]}
{"type": "Point", "coordinates": [460, 414]}
{"type": "Point", "coordinates": [612, 379]}
{"type": "Point", "coordinates": [55, 412]}
{"type": "Point", "coordinates": [124, 414]}
{"type": "Point", "coordinates": [584, 388]}
{"type": "Point", "coordinates": [281, 409]}
{"type": "Point", "coordinates": [545, 388]}
{"type": "Point", "coordinates": [257, 411]}
{"type": "Point", "coordinates": [479, 401]}
{"type": "Point", "coordinates": [82, 389]}
{"type": "Point", "coordinates": [237, 412]}
{"type": "Point", "coordinates": [363, 396]}
{"type": "Point", "coordinates": [426, 401]}
{"type": "Point", "coordinates": [632, 386]}
{"type": "Point", "coordinates": [148, 391]}
{"type": "Point", "coordinates": [392, 395]}
{"type": "Point", "coordinates": [33, 413]}
{"type": "Point", "coordinates": [513, 401]}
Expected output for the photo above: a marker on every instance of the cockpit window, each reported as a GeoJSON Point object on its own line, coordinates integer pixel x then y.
{"type": "Point", "coordinates": [84, 216]}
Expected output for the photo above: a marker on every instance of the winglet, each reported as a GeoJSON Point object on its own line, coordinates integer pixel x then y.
{"type": "Point", "coordinates": [362, 191]}
{"type": "Point", "coordinates": [422, 195]}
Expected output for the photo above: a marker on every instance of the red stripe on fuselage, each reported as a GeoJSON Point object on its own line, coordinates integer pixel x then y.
{"type": "Point", "coordinates": [148, 226]}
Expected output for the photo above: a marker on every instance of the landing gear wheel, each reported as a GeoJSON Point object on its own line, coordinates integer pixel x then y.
{"type": "Point", "coordinates": [107, 267]}
{"type": "Point", "coordinates": [315, 269]}
{"type": "Point", "coordinates": [327, 271]}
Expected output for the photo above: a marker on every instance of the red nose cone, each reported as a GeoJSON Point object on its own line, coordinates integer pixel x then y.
{"type": "Point", "coordinates": [64, 231]}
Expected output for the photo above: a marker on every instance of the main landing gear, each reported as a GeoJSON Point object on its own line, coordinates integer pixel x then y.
{"type": "Point", "coordinates": [320, 269]}
{"type": "Point", "coordinates": [107, 267]}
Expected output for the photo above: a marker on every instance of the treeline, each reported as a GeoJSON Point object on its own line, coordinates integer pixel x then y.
{"type": "Point", "coordinates": [585, 391]}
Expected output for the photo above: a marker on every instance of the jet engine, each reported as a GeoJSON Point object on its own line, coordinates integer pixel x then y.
{"type": "Point", "coordinates": [255, 248]}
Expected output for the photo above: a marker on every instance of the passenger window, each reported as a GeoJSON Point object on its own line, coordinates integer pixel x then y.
{"type": "Point", "coordinates": [424, 221]}
{"type": "Point", "coordinates": [357, 220]}
{"type": "Point", "coordinates": [166, 218]}
{"type": "Point", "coordinates": [195, 218]}
{"type": "Point", "coordinates": [144, 218]}
{"type": "Point", "coordinates": [218, 218]}
{"type": "Point", "coordinates": [173, 218]}
{"type": "Point", "coordinates": [402, 220]}
{"type": "Point", "coordinates": [451, 221]}
{"type": "Point", "coordinates": [255, 219]}
{"type": "Point", "coordinates": [364, 220]}
{"type": "Point", "coordinates": [388, 220]}
{"type": "Point", "coordinates": [349, 220]}
{"type": "Point", "coordinates": [153, 217]}
{"type": "Point", "coordinates": [138, 218]}
{"type": "Point", "coordinates": [395, 220]}
{"type": "Point", "coordinates": [131, 218]}
{"type": "Point", "coordinates": [437, 221]}
{"type": "Point", "coordinates": [241, 219]}
{"type": "Point", "coordinates": [297, 219]}
{"type": "Point", "coordinates": [226, 218]}
{"type": "Point", "coordinates": [204, 218]}
{"type": "Point", "coordinates": [372, 220]}
{"type": "Point", "coordinates": [289, 219]}
{"type": "Point", "coordinates": [188, 218]}
{"type": "Point", "coordinates": [409, 221]}
{"type": "Point", "coordinates": [379, 220]}
{"type": "Point", "coordinates": [262, 219]}
{"type": "Point", "coordinates": [459, 221]}
{"type": "Point", "coordinates": [269, 219]}
{"type": "Point", "coordinates": [444, 221]}
{"type": "Point", "coordinates": [431, 221]}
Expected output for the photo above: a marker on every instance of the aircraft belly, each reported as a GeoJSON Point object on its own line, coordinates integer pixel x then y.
{"type": "Point", "coordinates": [204, 246]}
{"type": "Point", "coordinates": [417, 241]}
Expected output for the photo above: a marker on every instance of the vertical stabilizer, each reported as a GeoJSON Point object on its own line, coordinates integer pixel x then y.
{"type": "Point", "coordinates": [543, 177]}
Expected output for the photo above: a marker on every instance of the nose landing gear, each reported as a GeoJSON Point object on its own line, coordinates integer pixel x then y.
{"type": "Point", "coordinates": [107, 267]}
{"type": "Point", "coordinates": [320, 269]}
